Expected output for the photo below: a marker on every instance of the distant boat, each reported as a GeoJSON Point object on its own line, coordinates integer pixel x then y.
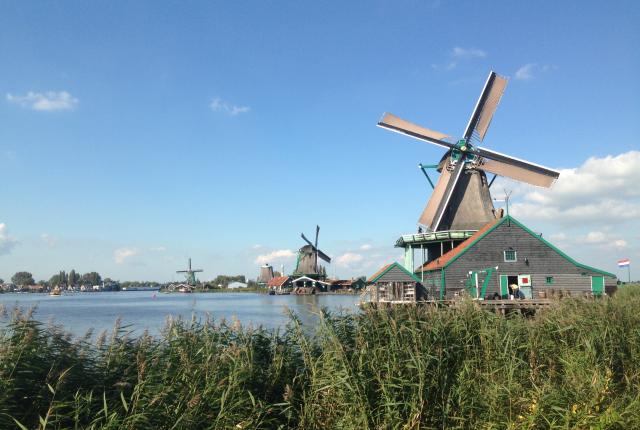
{"type": "Point", "coordinates": [55, 292]}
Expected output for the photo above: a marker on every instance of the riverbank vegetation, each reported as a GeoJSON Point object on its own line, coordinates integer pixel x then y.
{"type": "Point", "coordinates": [573, 366]}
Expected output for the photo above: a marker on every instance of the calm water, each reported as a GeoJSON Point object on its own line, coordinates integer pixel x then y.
{"type": "Point", "coordinates": [78, 312]}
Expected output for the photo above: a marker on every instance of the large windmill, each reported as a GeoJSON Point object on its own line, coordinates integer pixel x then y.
{"type": "Point", "coordinates": [461, 198]}
{"type": "Point", "coordinates": [461, 202]}
{"type": "Point", "coordinates": [308, 256]}
{"type": "Point", "coordinates": [190, 274]}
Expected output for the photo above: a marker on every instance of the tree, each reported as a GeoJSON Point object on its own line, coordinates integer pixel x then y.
{"type": "Point", "coordinates": [72, 278]}
{"type": "Point", "coordinates": [23, 279]}
{"type": "Point", "coordinates": [91, 278]}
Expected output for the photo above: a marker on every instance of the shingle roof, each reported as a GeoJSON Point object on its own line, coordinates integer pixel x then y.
{"type": "Point", "coordinates": [278, 281]}
{"type": "Point", "coordinates": [379, 272]}
{"type": "Point", "coordinates": [441, 261]}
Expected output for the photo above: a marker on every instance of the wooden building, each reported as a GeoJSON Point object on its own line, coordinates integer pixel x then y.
{"type": "Point", "coordinates": [346, 284]}
{"type": "Point", "coordinates": [395, 284]}
{"type": "Point", "coordinates": [280, 284]}
{"type": "Point", "coordinates": [510, 253]}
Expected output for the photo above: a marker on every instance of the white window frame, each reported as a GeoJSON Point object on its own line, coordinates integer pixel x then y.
{"type": "Point", "coordinates": [515, 255]}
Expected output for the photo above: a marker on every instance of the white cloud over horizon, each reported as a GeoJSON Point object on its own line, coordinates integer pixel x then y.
{"type": "Point", "coordinates": [279, 255]}
{"type": "Point", "coordinates": [121, 255]}
{"type": "Point", "coordinates": [47, 101]}
{"type": "Point", "coordinates": [219, 105]}
{"type": "Point", "coordinates": [7, 243]}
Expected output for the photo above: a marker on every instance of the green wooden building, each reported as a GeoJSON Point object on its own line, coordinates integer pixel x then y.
{"type": "Point", "coordinates": [508, 252]}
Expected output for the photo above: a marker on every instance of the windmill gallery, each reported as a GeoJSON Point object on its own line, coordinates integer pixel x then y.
{"type": "Point", "coordinates": [464, 246]}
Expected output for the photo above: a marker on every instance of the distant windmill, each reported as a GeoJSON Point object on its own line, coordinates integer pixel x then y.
{"type": "Point", "coordinates": [461, 198]}
{"type": "Point", "coordinates": [308, 255]}
{"type": "Point", "coordinates": [190, 274]}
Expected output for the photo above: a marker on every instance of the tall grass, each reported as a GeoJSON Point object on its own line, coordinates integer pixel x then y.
{"type": "Point", "coordinates": [576, 365]}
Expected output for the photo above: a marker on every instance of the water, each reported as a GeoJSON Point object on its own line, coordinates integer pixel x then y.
{"type": "Point", "coordinates": [142, 310]}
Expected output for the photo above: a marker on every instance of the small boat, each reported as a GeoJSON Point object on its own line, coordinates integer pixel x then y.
{"type": "Point", "coordinates": [55, 292]}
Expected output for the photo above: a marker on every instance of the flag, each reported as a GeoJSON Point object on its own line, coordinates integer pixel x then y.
{"type": "Point", "coordinates": [625, 262]}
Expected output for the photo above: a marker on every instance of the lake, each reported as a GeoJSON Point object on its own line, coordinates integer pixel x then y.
{"type": "Point", "coordinates": [142, 310]}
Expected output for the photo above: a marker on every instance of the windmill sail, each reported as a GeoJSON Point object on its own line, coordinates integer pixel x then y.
{"type": "Point", "coordinates": [429, 213]}
{"type": "Point", "coordinates": [485, 107]}
{"type": "Point", "coordinates": [399, 125]}
{"type": "Point", "coordinates": [448, 192]}
{"type": "Point", "coordinates": [514, 168]}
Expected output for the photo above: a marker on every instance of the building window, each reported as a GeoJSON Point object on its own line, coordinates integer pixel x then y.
{"type": "Point", "coordinates": [510, 255]}
{"type": "Point", "coordinates": [549, 280]}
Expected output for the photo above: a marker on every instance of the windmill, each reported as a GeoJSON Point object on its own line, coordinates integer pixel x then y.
{"type": "Point", "coordinates": [190, 274]}
{"type": "Point", "coordinates": [461, 199]}
{"type": "Point", "coordinates": [308, 255]}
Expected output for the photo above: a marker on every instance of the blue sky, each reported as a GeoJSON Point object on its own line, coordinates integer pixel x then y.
{"type": "Point", "coordinates": [136, 134]}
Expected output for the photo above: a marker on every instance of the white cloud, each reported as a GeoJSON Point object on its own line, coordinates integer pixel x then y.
{"type": "Point", "coordinates": [219, 105]}
{"type": "Point", "coordinates": [277, 255]}
{"type": "Point", "coordinates": [348, 259]}
{"type": "Point", "coordinates": [121, 255]}
{"type": "Point", "coordinates": [458, 54]}
{"type": "Point", "coordinates": [365, 247]}
{"type": "Point", "coordinates": [601, 190]}
{"type": "Point", "coordinates": [531, 70]}
{"type": "Point", "coordinates": [46, 238]}
{"type": "Point", "coordinates": [7, 243]}
{"type": "Point", "coordinates": [49, 101]}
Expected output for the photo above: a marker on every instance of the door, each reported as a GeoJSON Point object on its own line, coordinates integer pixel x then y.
{"type": "Point", "coordinates": [597, 285]}
{"type": "Point", "coordinates": [504, 287]}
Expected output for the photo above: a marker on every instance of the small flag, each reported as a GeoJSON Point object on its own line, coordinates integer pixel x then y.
{"type": "Point", "coordinates": [625, 262]}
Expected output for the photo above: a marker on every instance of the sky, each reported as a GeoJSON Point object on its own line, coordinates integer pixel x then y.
{"type": "Point", "coordinates": [134, 135]}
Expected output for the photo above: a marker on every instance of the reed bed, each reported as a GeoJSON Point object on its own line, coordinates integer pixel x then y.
{"type": "Point", "coordinates": [576, 365]}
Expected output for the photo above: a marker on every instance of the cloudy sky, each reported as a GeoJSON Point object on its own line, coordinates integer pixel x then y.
{"type": "Point", "coordinates": [137, 134]}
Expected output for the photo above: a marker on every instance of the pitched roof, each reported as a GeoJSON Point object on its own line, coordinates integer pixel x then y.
{"type": "Point", "coordinates": [451, 256]}
{"type": "Point", "coordinates": [278, 281]}
{"type": "Point", "coordinates": [443, 260]}
{"type": "Point", "coordinates": [388, 267]}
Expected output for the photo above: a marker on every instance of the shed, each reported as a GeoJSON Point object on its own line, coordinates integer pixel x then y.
{"type": "Point", "coordinates": [395, 284]}
{"type": "Point", "coordinates": [235, 285]}
{"type": "Point", "coordinates": [522, 257]}
{"type": "Point", "coordinates": [279, 283]}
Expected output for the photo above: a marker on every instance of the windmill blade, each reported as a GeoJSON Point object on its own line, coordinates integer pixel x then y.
{"type": "Point", "coordinates": [451, 186]}
{"type": "Point", "coordinates": [514, 168]}
{"type": "Point", "coordinates": [429, 212]}
{"type": "Point", "coordinates": [399, 125]}
{"type": "Point", "coordinates": [439, 201]}
{"type": "Point", "coordinates": [317, 232]}
{"type": "Point", "coordinates": [486, 106]}
{"type": "Point", "coordinates": [307, 240]}
{"type": "Point", "coordinates": [324, 256]}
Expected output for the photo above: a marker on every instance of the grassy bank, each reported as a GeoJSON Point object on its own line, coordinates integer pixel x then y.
{"type": "Point", "coordinates": [574, 366]}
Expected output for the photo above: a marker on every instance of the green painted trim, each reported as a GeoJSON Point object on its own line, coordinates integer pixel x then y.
{"type": "Point", "coordinates": [442, 287]}
{"type": "Point", "coordinates": [391, 266]}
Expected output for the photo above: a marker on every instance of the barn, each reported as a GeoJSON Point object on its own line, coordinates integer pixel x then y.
{"type": "Point", "coordinates": [508, 252]}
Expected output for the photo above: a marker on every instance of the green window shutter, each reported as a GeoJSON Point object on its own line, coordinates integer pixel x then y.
{"type": "Point", "coordinates": [550, 280]}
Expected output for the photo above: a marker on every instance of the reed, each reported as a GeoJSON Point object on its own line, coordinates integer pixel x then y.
{"type": "Point", "coordinates": [575, 365]}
